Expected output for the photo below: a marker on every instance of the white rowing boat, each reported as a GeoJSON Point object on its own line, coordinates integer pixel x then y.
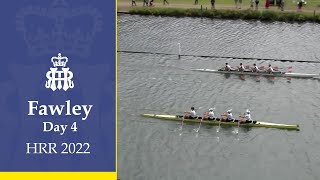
{"type": "Point", "coordinates": [275, 74]}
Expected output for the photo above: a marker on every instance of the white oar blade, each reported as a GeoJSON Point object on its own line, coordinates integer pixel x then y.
{"type": "Point", "coordinates": [236, 131]}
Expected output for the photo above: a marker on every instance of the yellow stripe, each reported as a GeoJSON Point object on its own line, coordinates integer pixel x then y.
{"type": "Point", "coordinates": [76, 175]}
{"type": "Point", "coordinates": [59, 175]}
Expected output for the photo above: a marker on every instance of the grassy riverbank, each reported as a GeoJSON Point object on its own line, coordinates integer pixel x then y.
{"type": "Point", "coordinates": [289, 5]}
{"type": "Point", "coordinates": [230, 14]}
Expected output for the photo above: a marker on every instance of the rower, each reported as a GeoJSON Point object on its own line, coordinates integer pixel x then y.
{"type": "Point", "coordinates": [227, 116]}
{"type": "Point", "coordinates": [255, 68]}
{"type": "Point", "coordinates": [209, 115]}
{"type": "Point", "coordinates": [241, 68]}
{"type": "Point", "coordinates": [270, 69]}
{"type": "Point", "coordinates": [246, 117]}
{"type": "Point", "coordinates": [227, 67]}
{"type": "Point", "coordinates": [190, 114]}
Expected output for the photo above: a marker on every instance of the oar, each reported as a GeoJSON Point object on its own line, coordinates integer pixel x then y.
{"type": "Point", "coordinates": [276, 67]}
{"type": "Point", "coordinates": [237, 131]}
{"type": "Point", "coordinates": [242, 77]}
{"type": "Point", "coordinates": [271, 78]}
{"type": "Point", "coordinates": [219, 124]}
{"type": "Point", "coordinates": [197, 130]}
{"type": "Point", "coordinates": [289, 67]}
{"type": "Point", "coordinates": [289, 78]}
{"type": "Point", "coordinates": [258, 76]}
{"type": "Point", "coordinates": [179, 46]}
{"type": "Point", "coordinates": [181, 123]}
{"type": "Point", "coordinates": [183, 120]}
{"type": "Point", "coordinates": [238, 126]}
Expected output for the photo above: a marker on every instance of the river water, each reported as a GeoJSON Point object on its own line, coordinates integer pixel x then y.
{"type": "Point", "coordinates": [151, 149]}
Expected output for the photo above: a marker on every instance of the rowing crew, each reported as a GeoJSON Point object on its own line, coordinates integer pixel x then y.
{"type": "Point", "coordinates": [254, 68]}
{"type": "Point", "coordinates": [209, 115]}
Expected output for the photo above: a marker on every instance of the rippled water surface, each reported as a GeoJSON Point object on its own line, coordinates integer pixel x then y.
{"type": "Point", "coordinates": [163, 84]}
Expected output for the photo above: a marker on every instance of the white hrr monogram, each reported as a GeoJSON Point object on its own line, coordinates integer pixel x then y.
{"type": "Point", "coordinates": [55, 75]}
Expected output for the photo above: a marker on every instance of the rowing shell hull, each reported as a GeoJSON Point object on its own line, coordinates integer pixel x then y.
{"type": "Point", "coordinates": [215, 123]}
{"type": "Point", "coordinates": [293, 75]}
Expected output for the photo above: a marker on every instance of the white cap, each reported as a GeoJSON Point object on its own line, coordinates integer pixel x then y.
{"type": "Point", "coordinates": [229, 110]}
{"type": "Point", "coordinates": [211, 109]}
{"type": "Point", "coordinates": [248, 111]}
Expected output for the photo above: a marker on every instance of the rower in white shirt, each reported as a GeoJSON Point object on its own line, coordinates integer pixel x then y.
{"type": "Point", "coordinates": [241, 67]}
{"type": "Point", "coordinates": [227, 116]}
{"type": "Point", "coordinates": [190, 114]}
{"type": "Point", "coordinates": [209, 115]}
{"type": "Point", "coordinates": [246, 117]}
{"type": "Point", "coordinates": [227, 67]}
{"type": "Point", "coordinates": [270, 69]}
{"type": "Point", "coordinates": [255, 68]}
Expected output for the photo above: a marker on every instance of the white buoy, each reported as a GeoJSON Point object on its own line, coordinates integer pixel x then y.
{"type": "Point", "coordinates": [179, 50]}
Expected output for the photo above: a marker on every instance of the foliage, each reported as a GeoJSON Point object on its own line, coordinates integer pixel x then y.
{"type": "Point", "coordinates": [267, 15]}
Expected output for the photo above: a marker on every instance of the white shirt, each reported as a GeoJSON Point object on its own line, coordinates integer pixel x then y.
{"type": "Point", "coordinates": [229, 116]}
{"type": "Point", "coordinates": [241, 67]}
{"type": "Point", "coordinates": [193, 113]}
{"type": "Point", "coordinates": [255, 68]}
{"type": "Point", "coordinates": [248, 116]}
{"type": "Point", "coordinates": [270, 69]}
{"type": "Point", "coordinates": [228, 67]}
{"type": "Point", "coordinates": [211, 114]}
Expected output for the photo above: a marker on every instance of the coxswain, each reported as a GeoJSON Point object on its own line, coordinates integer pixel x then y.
{"type": "Point", "coordinates": [255, 68]}
{"type": "Point", "coordinates": [190, 114]}
{"type": "Point", "coordinates": [209, 115]}
{"type": "Point", "coordinates": [270, 69]}
{"type": "Point", "coordinates": [241, 67]}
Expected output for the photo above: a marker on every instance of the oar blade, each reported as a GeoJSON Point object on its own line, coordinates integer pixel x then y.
{"type": "Point", "coordinates": [258, 78]}
{"type": "Point", "coordinates": [289, 78]}
{"type": "Point", "coordinates": [271, 78]}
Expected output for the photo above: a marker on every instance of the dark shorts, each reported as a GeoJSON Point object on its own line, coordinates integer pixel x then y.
{"type": "Point", "coordinates": [190, 117]}
{"type": "Point", "coordinates": [211, 119]}
{"type": "Point", "coordinates": [229, 120]}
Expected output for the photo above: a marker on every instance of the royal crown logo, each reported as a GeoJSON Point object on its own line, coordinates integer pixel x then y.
{"type": "Point", "coordinates": [56, 76]}
{"type": "Point", "coordinates": [47, 30]}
